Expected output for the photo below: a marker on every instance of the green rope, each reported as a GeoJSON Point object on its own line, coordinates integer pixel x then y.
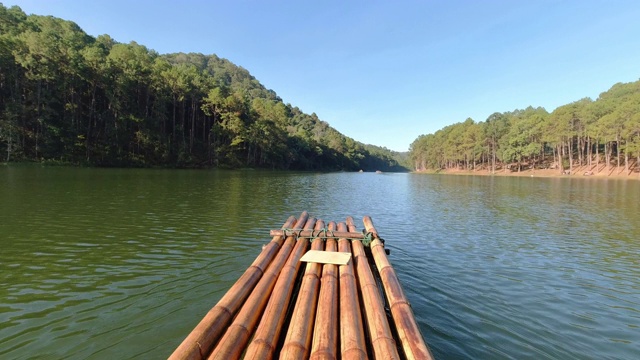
{"type": "Point", "coordinates": [368, 238]}
{"type": "Point", "coordinates": [292, 232]}
{"type": "Point", "coordinates": [325, 232]}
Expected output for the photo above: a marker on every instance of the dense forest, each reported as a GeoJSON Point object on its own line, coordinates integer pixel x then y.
{"type": "Point", "coordinates": [585, 134]}
{"type": "Point", "coordinates": [67, 97]}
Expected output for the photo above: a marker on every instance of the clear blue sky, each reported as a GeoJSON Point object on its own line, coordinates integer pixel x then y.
{"type": "Point", "coordinates": [384, 72]}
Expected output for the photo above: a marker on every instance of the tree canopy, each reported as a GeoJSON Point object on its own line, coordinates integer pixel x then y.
{"type": "Point", "coordinates": [69, 97]}
{"type": "Point", "coordinates": [584, 133]}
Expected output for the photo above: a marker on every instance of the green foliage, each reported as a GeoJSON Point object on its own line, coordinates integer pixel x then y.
{"type": "Point", "coordinates": [68, 97]}
{"type": "Point", "coordinates": [573, 134]}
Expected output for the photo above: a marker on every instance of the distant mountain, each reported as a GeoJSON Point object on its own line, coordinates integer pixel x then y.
{"type": "Point", "coordinates": [68, 97]}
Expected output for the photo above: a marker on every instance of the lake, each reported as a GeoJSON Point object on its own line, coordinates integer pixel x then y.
{"type": "Point", "coordinates": [123, 263]}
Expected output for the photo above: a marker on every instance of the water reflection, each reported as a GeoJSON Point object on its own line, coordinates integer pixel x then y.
{"type": "Point", "coordinates": [129, 260]}
{"type": "Point", "coordinates": [536, 256]}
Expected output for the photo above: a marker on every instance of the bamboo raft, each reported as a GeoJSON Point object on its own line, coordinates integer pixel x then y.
{"type": "Point", "coordinates": [346, 303]}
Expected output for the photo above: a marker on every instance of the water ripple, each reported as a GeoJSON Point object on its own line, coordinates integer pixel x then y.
{"type": "Point", "coordinates": [104, 263]}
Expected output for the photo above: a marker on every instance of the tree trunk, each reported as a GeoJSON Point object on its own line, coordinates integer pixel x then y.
{"type": "Point", "coordinates": [533, 165]}
{"type": "Point", "coordinates": [9, 145]}
{"type": "Point", "coordinates": [91, 111]}
{"type": "Point", "coordinates": [173, 131]}
{"type": "Point", "coordinates": [589, 151]}
{"type": "Point", "coordinates": [493, 165]}
{"type": "Point", "coordinates": [38, 113]}
{"type": "Point", "coordinates": [560, 156]}
{"type": "Point", "coordinates": [193, 125]}
{"type": "Point", "coordinates": [597, 152]}
{"type": "Point", "coordinates": [570, 155]}
{"type": "Point", "coordinates": [580, 150]}
{"type": "Point", "coordinates": [184, 125]}
{"type": "Point", "coordinates": [204, 128]}
{"type": "Point", "coordinates": [626, 160]}
{"type": "Point", "coordinates": [617, 150]}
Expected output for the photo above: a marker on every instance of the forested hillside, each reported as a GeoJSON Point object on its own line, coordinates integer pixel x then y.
{"type": "Point", "coordinates": [584, 133]}
{"type": "Point", "coordinates": [68, 97]}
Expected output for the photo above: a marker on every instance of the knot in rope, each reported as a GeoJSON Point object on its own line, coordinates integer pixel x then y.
{"type": "Point", "coordinates": [368, 238]}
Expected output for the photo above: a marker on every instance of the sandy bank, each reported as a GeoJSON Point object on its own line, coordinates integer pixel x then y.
{"type": "Point", "coordinates": [586, 172]}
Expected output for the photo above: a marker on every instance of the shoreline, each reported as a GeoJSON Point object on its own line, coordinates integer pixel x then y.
{"type": "Point", "coordinates": [613, 172]}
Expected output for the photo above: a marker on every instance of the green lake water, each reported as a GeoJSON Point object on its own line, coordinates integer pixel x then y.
{"type": "Point", "coordinates": [122, 263]}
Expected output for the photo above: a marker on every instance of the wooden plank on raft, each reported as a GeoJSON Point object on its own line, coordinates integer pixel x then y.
{"type": "Point", "coordinates": [331, 307]}
{"type": "Point", "coordinates": [297, 343]}
{"type": "Point", "coordinates": [199, 342]}
{"type": "Point", "coordinates": [411, 339]}
{"type": "Point", "coordinates": [323, 233]}
{"type": "Point", "coordinates": [326, 257]}
{"type": "Point", "coordinates": [352, 340]}
{"type": "Point", "coordinates": [382, 342]}
{"type": "Point", "coordinates": [325, 333]}
{"type": "Point", "coordinates": [266, 336]}
{"type": "Point", "coordinates": [238, 334]}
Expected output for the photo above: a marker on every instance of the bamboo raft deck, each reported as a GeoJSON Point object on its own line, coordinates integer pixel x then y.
{"type": "Point", "coordinates": [285, 308]}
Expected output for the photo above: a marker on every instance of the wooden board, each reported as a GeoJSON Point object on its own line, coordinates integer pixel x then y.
{"type": "Point", "coordinates": [326, 257]}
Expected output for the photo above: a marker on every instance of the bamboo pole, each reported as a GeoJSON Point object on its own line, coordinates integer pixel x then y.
{"type": "Point", "coordinates": [264, 341]}
{"type": "Point", "coordinates": [411, 339]}
{"type": "Point", "coordinates": [199, 342]}
{"type": "Point", "coordinates": [384, 346]}
{"type": "Point", "coordinates": [325, 333]}
{"type": "Point", "coordinates": [237, 336]}
{"type": "Point", "coordinates": [298, 340]}
{"type": "Point", "coordinates": [352, 343]}
{"type": "Point", "coordinates": [319, 232]}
